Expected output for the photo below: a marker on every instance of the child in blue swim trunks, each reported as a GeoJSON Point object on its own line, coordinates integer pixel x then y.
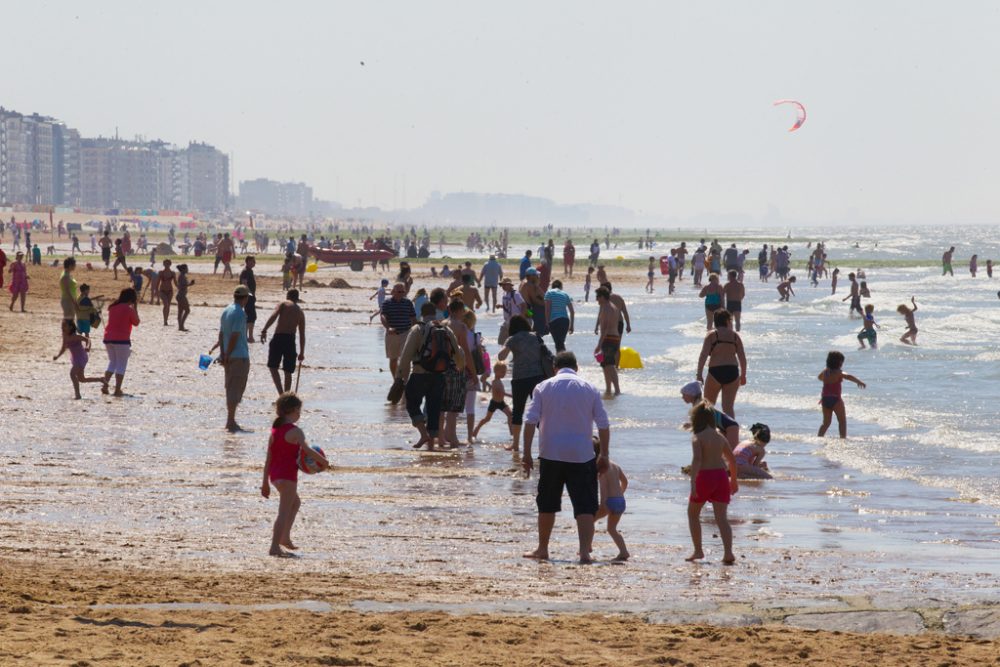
{"type": "Point", "coordinates": [869, 333]}
{"type": "Point", "coordinates": [611, 485]}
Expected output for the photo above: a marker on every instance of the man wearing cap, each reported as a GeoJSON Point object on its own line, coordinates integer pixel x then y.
{"type": "Point", "coordinates": [691, 393]}
{"type": "Point", "coordinates": [235, 353]}
{"type": "Point", "coordinates": [281, 351]}
{"type": "Point", "coordinates": [490, 276]}
{"type": "Point", "coordinates": [397, 317]}
{"type": "Point", "coordinates": [565, 408]}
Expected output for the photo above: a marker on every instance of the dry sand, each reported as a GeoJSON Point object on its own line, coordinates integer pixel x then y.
{"type": "Point", "coordinates": [47, 614]}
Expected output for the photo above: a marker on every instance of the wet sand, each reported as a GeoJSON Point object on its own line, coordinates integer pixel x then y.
{"type": "Point", "coordinates": [145, 500]}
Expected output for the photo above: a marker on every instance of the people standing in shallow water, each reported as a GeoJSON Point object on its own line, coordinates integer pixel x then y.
{"type": "Point", "coordinates": [973, 265]}
{"type": "Point", "coordinates": [710, 481]}
{"type": "Point", "coordinates": [712, 293]}
{"type": "Point", "coordinates": [785, 289]}
{"type": "Point", "coordinates": [946, 261]}
{"type": "Point", "coordinates": [727, 363]}
{"type": "Point", "coordinates": [868, 332]}
{"type": "Point", "coordinates": [735, 292]}
{"type": "Point", "coordinates": [910, 336]}
{"type": "Point", "coordinates": [833, 378]}
{"type": "Point", "coordinates": [833, 281]}
{"type": "Point", "coordinates": [854, 296]}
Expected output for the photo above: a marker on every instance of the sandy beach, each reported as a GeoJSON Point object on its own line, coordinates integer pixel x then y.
{"type": "Point", "coordinates": [131, 532]}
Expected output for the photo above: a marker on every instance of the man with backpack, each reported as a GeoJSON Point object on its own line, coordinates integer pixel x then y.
{"type": "Point", "coordinates": [430, 350]}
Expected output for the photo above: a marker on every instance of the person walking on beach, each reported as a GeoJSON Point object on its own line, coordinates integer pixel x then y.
{"type": "Point", "coordinates": [727, 363]}
{"type": "Point", "coordinates": [286, 444]}
{"type": "Point", "coordinates": [249, 280]}
{"type": "Point", "coordinates": [3, 261]}
{"type": "Point", "coordinates": [123, 314]}
{"type": "Point", "coordinates": [612, 484]}
{"type": "Point", "coordinates": [569, 258]}
{"type": "Point", "coordinates": [526, 372]}
{"type": "Point", "coordinates": [946, 262]}
{"type": "Point", "coordinates": [105, 243]}
{"type": "Point", "coordinates": [490, 276]}
{"type": "Point", "coordinates": [234, 353]}
{"type": "Point", "coordinates": [281, 351]}
{"type": "Point", "coordinates": [79, 347]}
{"type": "Point", "coordinates": [524, 265]}
{"type": "Point", "coordinates": [68, 293]}
{"type": "Point", "coordinates": [183, 305]}
{"type": "Point", "coordinates": [710, 481]}
{"type": "Point", "coordinates": [565, 409]}
{"type": "Point", "coordinates": [512, 303]}
{"type": "Point", "coordinates": [609, 342]}
{"type": "Point", "coordinates": [397, 318]}
{"type": "Point", "coordinates": [166, 281]}
{"type": "Point", "coordinates": [735, 293]}
{"type": "Point", "coordinates": [833, 378]}
{"type": "Point", "coordinates": [534, 296]}
{"type": "Point", "coordinates": [559, 314]}
{"type": "Point", "coordinates": [910, 335]}
{"type": "Point", "coordinates": [833, 281]}
{"type": "Point", "coordinates": [119, 258]}
{"type": "Point", "coordinates": [712, 293]}
{"type": "Point", "coordinates": [18, 281]}
{"type": "Point", "coordinates": [430, 349]}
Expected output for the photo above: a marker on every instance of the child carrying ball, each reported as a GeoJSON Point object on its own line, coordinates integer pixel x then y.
{"type": "Point", "coordinates": [282, 469]}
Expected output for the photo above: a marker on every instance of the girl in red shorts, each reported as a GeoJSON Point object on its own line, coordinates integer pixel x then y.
{"type": "Point", "coordinates": [282, 469]}
{"type": "Point", "coordinates": [710, 481]}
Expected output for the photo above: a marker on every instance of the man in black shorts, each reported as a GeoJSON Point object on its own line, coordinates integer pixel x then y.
{"type": "Point", "coordinates": [248, 279]}
{"type": "Point", "coordinates": [565, 408]}
{"type": "Point", "coordinates": [281, 351]}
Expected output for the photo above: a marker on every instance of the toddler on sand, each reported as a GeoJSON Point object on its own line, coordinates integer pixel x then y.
{"type": "Point", "coordinates": [710, 482]}
{"type": "Point", "coordinates": [282, 469]}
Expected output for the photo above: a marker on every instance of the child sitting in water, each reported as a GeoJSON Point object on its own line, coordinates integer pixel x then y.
{"type": "Point", "coordinates": [282, 469]}
{"type": "Point", "coordinates": [612, 484]}
{"type": "Point", "coordinates": [833, 378]}
{"type": "Point", "coordinates": [380, 295]}
{"type": "Point", "coordinates": [78, 347]}
{"type": "Point", "coordinates": [497, 397]}
{"type": "Point", "coordinates": [709, 480]}
{"type": "Point", "coordinates": [869, 333]}
{"type": "Point", "coordinates": [910, 336]}
{"type": "Point", "coordinates": [785, 289]}
{"type": "Point", "coordinates": [750, 454]}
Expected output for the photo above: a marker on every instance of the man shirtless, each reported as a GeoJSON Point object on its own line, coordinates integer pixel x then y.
{"type": "Point", "coordinates": [533, 295]}
{"type": "Point", "coordinates": [610, 340]}
{"type": "Point", "coordinates": [106, 244]}
{"type": "Point", "coordinates": [946, 261]}
{"type": "Point", "coordinates": [226, 250]}
{"type": "Point", "coordinates": [165, 284]}
{"type": "Point", "coordinates": [734, 292]}
{"type": "Point", "coordinates": [282, 348]}
{"type": "Point", "coordinates": [624, 323]}
{"type": "Point", "coordinates": [470, 295]}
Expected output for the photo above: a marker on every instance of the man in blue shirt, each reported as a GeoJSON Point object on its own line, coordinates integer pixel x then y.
{"type": "Point", "coordinates": [525, 264]}
{"type": "Point", "coordinates": [235, 353]}
{"type": "Point", "coordinates": [490, 276]}
{"type": "Point", "coordinates": [559, 314]}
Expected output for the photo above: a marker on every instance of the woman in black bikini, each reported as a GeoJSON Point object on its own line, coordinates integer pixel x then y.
{"type": "Point", "coordinates": [727, 363]}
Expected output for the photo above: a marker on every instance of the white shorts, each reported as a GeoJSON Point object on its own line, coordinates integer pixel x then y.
{"type": "Point", "coordinates": [118, 354]}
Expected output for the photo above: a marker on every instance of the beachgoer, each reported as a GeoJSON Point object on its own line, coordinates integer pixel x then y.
{"type": "Point", "coordinates": [534, 297]}
{"type": "Point", "coordinates": [712, 293]}
{"type": "Point", "coordinates": [287, 318]}
{"type": "Point", "coordinates": [612, 484]}
{"type": "Point", "coordinates": [785, 289]}
{"type": "Point", "coordinates": [183, 305]}
{"type": "Point", "coordinates": [586, 284]}
{"type": "Point", "coordinates": [649, 275]}
{"type": "Point", "coordinates": [106, 245]}
{"type": "Point", "coordinates": [735, 293]}
{"type": "Point", "coordinates": [525, 265]}
{"type": "Point", "coordinates": [910, 335]}
{"type": "Point", "coordinates": [68, 293]}
{"type": "Point", "coordinates": [833, 281]}
{"type": "Point", "coordinates": [225, 252]}
{"type": "Point", "coordinates": [868, 331]}
{"type": "Point", "coordinates": [528, 350]}
{"type": "Point", "coordinates": [397, 317]}
{"type": "Point", "coordinates": [559, 314]}
{"type": "Point", "coordinates": [569, 258]}
{"type": "Point", "coordinates": [565, 409]}
{"type": "Point", "coordinates": [79, 347]}
{"type": "Point", "coordinates": [459, 380]}
{"type": "Point", "coordinates": [973, 265]}
{"type": "Point", "coordinates": [123, 314]}
{"type": "Point", "coordinates": [727, 426]}
{"type": "Point", "coordinates": [249, 280]}
{"type": "Point", "coordinates": [234, 353]}
{"type": "Point", "coordinates": [18, 281]}
{"type": "Point", "coordinates": [727, 363]}
{"type": "Point", "coordinates": [609, 341]}
{"type": "Point", "coordinates": [710, 481]}
{"type": "Point", "coordinates": [119, 258]}
{"type": "Point", "coordinates": [946, 261]}
{"type": "Point", "coordinates": [286, 444]}
{"type": "Point", "coordinates": [165, 283]}
{"type": "Point", "coordinates": [698, 265]}
{"type": "Point", "coordinates": [430, 349]}
{"type": "Point", "coordinates": [490, 276]}
{"type": "Point", "coordinates": [749, 454]}
{"type": "Point", "coordinates": [380, 295]}
{"type": "Point", "coordinates": [854, 296]}
{"type": "Point", "coordinates": [833, 378]}
{"type": "Point", "coordinates": [498, 396]}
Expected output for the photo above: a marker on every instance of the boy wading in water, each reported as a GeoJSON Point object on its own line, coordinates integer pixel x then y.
{"type": "Point", "coordinates": [710, 481]}
{"type": "Point", "coordinates": [281, 352]}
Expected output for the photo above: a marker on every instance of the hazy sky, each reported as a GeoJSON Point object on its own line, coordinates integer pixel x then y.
{"type": "Point", "coordinates": [662, 106]}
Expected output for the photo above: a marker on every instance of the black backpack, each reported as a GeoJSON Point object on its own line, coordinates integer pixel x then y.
{"type": "Point", "coordinates": [437, 351]}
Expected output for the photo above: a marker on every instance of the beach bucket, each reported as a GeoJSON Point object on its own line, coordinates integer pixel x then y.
{"type": "Point", "coordinates": [204, 361]}
{"type": "Point", "coordinates": [599, 357]}
{"type": "Point", "coordinates": [311, 267]}
{"type": "Point", "coordinates": [629, 359]}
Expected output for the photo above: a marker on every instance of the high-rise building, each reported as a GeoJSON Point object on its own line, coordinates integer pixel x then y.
{"type": "Point", "coordinates": [276, 198]}
{"type": "Point", "coordinates": [208, 176]}
{"type": "Point", "coordinates": [39, 160]}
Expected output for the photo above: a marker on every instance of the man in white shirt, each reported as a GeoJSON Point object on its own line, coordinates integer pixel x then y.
{"type": "Point", "coordinates": [567, 407]}
{"type": "Point", "coordinates": [513, 304]}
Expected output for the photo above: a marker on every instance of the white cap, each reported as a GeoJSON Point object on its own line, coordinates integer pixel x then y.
{"type": "Point", "coordinates": [691, 389]}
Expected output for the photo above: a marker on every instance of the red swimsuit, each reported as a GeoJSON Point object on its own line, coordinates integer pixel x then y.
{"type": "Point", "coordinates": [284, 456]}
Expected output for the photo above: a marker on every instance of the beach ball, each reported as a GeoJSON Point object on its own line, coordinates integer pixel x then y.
{"type": "Point", "coordinates": [629, 358]}
{"type": "Point", "coordinates": [308, 464]}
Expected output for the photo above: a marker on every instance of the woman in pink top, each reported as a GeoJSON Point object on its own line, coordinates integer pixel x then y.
{"type": "Point", "coordinates": [123, 314]}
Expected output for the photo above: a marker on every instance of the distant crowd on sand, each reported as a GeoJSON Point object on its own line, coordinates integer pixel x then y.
{"type": "Point", "coordinates": [439, 363]}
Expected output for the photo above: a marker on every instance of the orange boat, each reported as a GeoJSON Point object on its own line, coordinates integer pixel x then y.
{"type": "Point", "coordinates": [356, 259]}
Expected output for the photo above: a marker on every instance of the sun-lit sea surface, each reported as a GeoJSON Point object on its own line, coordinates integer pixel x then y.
{"type": "Point", "coordinates": [916, 485]}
